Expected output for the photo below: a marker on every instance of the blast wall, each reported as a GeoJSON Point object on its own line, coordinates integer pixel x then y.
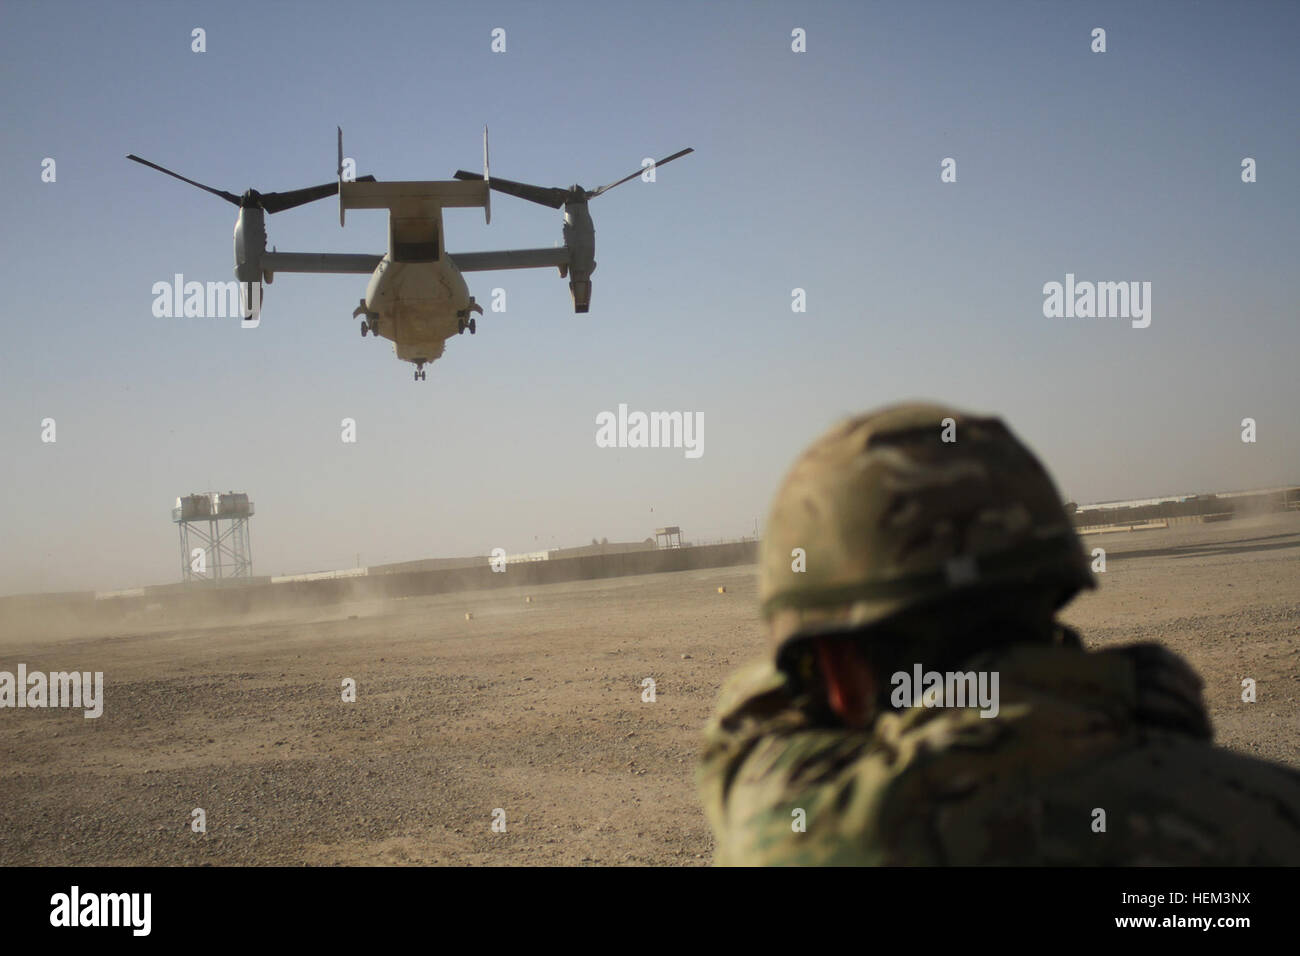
{"type": "Point", "coordinates": [262, 595]}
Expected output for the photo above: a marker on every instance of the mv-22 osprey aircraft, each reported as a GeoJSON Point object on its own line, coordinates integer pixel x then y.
{"type": "Point", "coordinates": [417, 296]}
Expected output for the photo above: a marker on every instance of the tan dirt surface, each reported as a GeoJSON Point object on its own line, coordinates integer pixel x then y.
{"type": "Point", "coordinates": [532, 708]}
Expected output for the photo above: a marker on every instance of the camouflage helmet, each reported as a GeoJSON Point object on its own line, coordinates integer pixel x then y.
{"type": "Point", "coordinates": [909, 505]}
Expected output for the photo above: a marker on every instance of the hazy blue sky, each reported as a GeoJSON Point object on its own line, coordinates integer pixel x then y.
{"type": "Point", "coordinates": [817, 170]}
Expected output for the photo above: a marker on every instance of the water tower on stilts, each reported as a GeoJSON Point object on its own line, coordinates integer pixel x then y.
{"type": "Point", "coordinates": [214, 536]}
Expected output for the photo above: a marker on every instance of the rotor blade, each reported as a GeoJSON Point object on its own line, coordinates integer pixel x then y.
{"type": "Point", "coordinates": [228, 197]}
{"type": "Point", "coordinates": [278, 202]}
{"type": "Point", "coordinates": [593, 193]}
{"type": "Point", "coordinates": [545, 195]}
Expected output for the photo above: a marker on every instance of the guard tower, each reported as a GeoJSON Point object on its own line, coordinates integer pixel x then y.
{"type": "Point", "coordinates": [214, 536]}
{"type": "Point", "coordinates": [670, 537]}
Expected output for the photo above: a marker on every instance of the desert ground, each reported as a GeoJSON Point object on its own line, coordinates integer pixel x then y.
{"type": "Point", "coordinates": [533, 708]}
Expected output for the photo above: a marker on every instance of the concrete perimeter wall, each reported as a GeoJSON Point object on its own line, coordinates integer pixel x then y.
{"type": "Point", "coordinates": [262, 595]}
{"type": "Point", "coordinates": [1197, 509]}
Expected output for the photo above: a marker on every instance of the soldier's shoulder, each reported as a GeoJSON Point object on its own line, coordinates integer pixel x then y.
{"type": "Point", "coordinates": [763, 771]}
{"type": "Point", "coordinates": [1095, 758]}
{"type": "Point", "coordinates": [756, 687]}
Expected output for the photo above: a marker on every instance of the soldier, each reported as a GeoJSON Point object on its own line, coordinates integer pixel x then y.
{"type": "Point", "coordinates": [920, 539]}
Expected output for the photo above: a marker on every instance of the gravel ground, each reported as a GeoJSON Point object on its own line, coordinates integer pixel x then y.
{"type": "Point", "coordinates": [531, 708]}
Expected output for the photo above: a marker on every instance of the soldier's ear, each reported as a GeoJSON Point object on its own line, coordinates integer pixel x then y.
{"type": "Point", "coordinates": [848, 679]}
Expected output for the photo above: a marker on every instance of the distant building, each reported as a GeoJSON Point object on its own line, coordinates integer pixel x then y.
{"type": "Point", "coordinates": [670, 537]}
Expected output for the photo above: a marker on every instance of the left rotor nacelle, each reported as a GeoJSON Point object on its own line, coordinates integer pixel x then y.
{"type": "Point", "coordinates": [250, 244]}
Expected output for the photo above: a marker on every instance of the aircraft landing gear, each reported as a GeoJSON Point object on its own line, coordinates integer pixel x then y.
{"type": "Point", "coordinates": [369, 321]}
{"type": "Point", "coordinates": [462, 324]}
{"type": "Point", "coordinates": [420, 373]}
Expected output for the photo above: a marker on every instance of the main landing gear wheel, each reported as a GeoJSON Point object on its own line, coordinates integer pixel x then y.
{"type": "Point", "coordinates": [420, 374]}
{"type": "Point", "coordinates": [364, 329]}
{"type": "Point", "coordinates": [460, 326]}
{"type": "Point", "coordinates": [473, 326]}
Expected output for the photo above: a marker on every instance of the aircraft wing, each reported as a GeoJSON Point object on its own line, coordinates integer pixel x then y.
{"type": "Point", "coordinates": [510, 259]}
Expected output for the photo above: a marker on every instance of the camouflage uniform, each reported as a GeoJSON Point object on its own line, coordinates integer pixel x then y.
{"type": "Point", "coordinates": [893, 520]}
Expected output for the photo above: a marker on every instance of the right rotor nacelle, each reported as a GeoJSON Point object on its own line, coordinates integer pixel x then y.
{"type": "Point", "coordinates": [580, 241]}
